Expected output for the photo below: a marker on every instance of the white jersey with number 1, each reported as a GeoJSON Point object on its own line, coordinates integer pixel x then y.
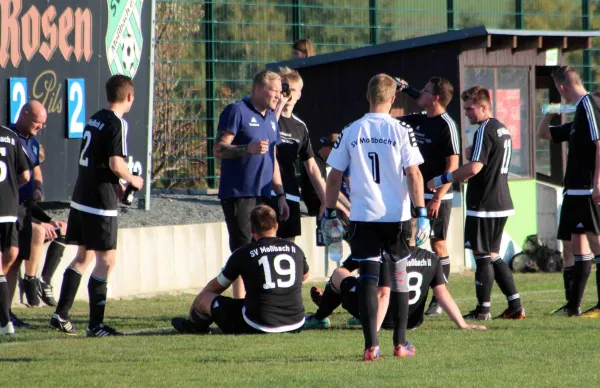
{"type": "Point", "coordinates": [377, 148]}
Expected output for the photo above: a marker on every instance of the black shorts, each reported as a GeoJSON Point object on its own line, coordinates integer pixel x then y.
{"type": "Point", "coordinates": [369, 238]}
{"type": "Point", "coordinates": [439, 225]}
{"type": "Point", "coordinates": [8, 236]}
{"type": "Point", "coordinates": [237, 218]}
{"type": "Point", "coordinates": [226, 312]}
{"type": "Point", "coordinates": [292, 226]}
{"type": "Point", "coordinates": [94, 232]}
{"type": "Point", "coordinates": [484, 235]}
{"type": "Point", "coordinates": [566, 221]}
{"type": "Point", "coordinates": [25, 231]}
{"type": "Point", "coordinates": [578, 215]}
{"type": "Point", "coordinates": [349, 293]}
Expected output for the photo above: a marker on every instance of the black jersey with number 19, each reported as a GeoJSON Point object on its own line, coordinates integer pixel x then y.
{"type": "Point", "coordinates": [97, 187]}
{"type": "Point", "coordinates": [488, 195]}
{"type": "Point", "coordinates": [13, 162]}
{"type": "Point", "coordinates": [272, 270]}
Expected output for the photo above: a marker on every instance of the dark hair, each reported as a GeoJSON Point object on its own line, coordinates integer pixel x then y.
{"type": "Point", "coordinates": [478, 94]}
{"type": "Point", "coordinates": [443, 89]}
{"type": "Point", "coordinates": [263, 219]}
{"type": "Point", "coordinates": [566, 75]}
{"type": "Point", "coordinates": [117, 88]}
{"type": "Point", "coordinates": [305, 46]}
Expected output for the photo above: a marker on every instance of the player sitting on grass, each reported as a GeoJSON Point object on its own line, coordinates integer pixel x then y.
{"type": "Point", "coordinates": [272, 270]}
{"type": "Point", "coordinates": [424, 272]}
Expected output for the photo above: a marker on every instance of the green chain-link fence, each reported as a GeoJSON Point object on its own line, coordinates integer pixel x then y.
{"type": "Point", "coordinates": [208, 51]}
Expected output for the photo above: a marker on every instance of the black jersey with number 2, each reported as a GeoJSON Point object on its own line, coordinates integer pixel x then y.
{"type": "Point", "coordinates": [272, 270]}
{"type": "Point", "coordinates": [97, 187]}
{"type": "Point", "coordinates": [13, 162]}
{"type": "Point", "coordinates": [487, 192]}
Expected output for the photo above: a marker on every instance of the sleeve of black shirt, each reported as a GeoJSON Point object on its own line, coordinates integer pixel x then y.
{"type": "Point", "coordinates": [483, 143]}
{"type": "Point", "coordinates": [22, 161]}
{"type": "Point", "coordinates": [560, 133]}
{"type": "Point", "coordinates": [300, 252]}
{"type": "Point", "coordinates": [451, 142]}
{"type": "Point", "coordinates": [306, 151]}
{"type": "Point", "coordinates": [439, 277]}
{"type": "Point", "coordinates": [593, 115]}
{"type": "Point", "coordinates": [233, 267]}
{"type": "Point", "coordinates": [117, 141]}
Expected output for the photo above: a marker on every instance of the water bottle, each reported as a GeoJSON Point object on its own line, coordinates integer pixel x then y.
{"type": "Point", "coordinates": [558, 108]}
{"type": "Point", "coordinates": [336, 249]}
{"type": "Point", "coordinates": [320, 237]}
{"type": "Point", "coordinates": [414, 93]}
{"type": "Point", "coordinates": [130, 192]}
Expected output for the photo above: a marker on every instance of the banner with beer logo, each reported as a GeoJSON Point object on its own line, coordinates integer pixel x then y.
{"type": "Point", "coordinates": [61, 52]}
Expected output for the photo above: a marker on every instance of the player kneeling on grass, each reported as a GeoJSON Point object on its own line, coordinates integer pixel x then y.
{"type": "Point", "coordinates": [424, 271]}
{"type": "Point", "coordinates": [272, 270]}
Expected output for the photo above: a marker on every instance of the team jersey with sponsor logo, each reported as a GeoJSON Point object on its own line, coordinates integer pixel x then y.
{"type": "Point", "coordinates": [13, 162]}
{"type": "Point", "coordinates": [377, 148]}
{"type": "Point", "coordinates": [488, 195]}
{"type": "Point", "coordinates": [581, 161]}
{"type": "Point", "coordinates": [438, 139]}
{"type": "Point", "coordinates": [295, 145]}
{"type": "Point", "coordinates": [272, 270]}
{"type": "Point", "coordinates": [97, 188]}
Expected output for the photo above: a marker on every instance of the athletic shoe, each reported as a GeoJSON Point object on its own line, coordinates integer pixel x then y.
{"type": "Point", "coordinates": [44, 291]}
{"type": "Point", "coordinates": [30, 287]}
{"type": "Point", "coordinates": [7, 329]}
{"type": "Point", "coordinates": [594, 312]}
{"type": "Point", "coordinates": [434, 309]}
{"type": "Point", "coordinates": [555, 311]}
{"type": "Point", "coordinates": [316, 294]}
{"type": "Point", "coordinates": [102, 331]}
{"type": "Point", "coordinates": [312, 323]}
{"type": "Point", "coordinates": [64, 325]}
{"type": "Point", "coordinates": [17, 323]}
{"type": "Point", "coordinates": [515, 314]}
{"type": "Point", "coordinates": [566, 312]}
{"type": "Point", "coordinates": [353, 321]}
{"type": "Point", "coordinates": [372, 354]}
{"type": "Point", "coordinates": [185, 326]}
{"type": "Point", "coordinates": [401, 351]}
{"type": "Point", "coordinates": [476, 315]}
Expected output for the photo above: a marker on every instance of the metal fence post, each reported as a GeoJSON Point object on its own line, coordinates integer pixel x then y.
{"type": "Point", "coordinates": [209, 46]}
{"type": "Point", "coordinates": [296, 20]}
{"type": "Point", "coordinates": [585, 26]}
{"type": "Point", "coordinates": [450, 14]}
{"type": "Point", "coordinates": [373, 22]}
{"type": "Point", "coordinates": [519, 17]}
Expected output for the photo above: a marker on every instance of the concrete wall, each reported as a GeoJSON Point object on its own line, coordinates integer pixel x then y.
{"type": "Point", "coordinates": [182, 257]}
{"type": "Point", "coordinates": [549, 200]}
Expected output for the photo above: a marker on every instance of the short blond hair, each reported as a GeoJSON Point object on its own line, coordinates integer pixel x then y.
{"type": "Point", "coordinates": [289, 75]}
{"type": "Point", "coordinates": [382, 88]}
{"type": "Point", "coordinates": [566, 75]}
{"type": "Point", "coordinates": [264, 77]}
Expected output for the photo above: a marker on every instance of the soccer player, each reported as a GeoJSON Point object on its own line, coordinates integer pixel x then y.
{"type": "Point", "coordinates": [92, 223]}
{"type": "Point", "coordinates": [247, 136]}
{"type": "Point", "coordinates": [378, 149]}
{"type": "Point", "coordinates": [424, 272]}
{"type": "Point", "coordinates": [488, 204]}
{"type": "Point", "coordinates": [582, 185]}
{"type": "Point", "coordinates": [14, 171]}
{"type": "Point", "coordinates": [437, 136]}
{"type": "Point", "coordinates": [39, 227]}
{"type": "Point", "coordinates": [566, 230]}
{"type": "Point", "coordinates": [295, 143]}
{"type": "Point", "coordinates": [272, 269]}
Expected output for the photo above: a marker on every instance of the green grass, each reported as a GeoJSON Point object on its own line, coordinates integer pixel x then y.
{"type": "Point", "coordinates": [540, 351]}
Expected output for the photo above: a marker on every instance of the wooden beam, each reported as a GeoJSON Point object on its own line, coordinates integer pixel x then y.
{"type": "Point", "coordinates": [528, 43]}
{"type": "Point", "coordinates": [500, 42]}
{"type": "Point", "coordinates": [578, 44]}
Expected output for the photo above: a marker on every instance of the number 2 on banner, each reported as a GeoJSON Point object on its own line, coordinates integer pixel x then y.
{"type": "Point", "coordinates": [18, 97]}
{"type": "Point", "coordinates": [76, 107]}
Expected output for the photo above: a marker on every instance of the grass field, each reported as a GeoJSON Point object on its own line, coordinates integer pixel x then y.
{"type": "Point", "coordinates": [540, 351]}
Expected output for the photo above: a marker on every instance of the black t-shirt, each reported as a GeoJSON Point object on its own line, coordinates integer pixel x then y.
{"type": "Point", "coordinates": [13, 162]}
{"type": "Point", "coordinates": [581, 161]}
{"type": "Point", "coordinates": [437, 138]}
{"type": "Point", "coordinates": [97, 188]}
{"type": "Point", "coordinates": [488, 195]}
{"type": "Point", "coordinates": [272, 270]}
{"type": "Point", "coordinates": [424, 271]}
{"type": "Point", "coordinates": [309, 195]}
{"type": "Point", "coordinates": [295, 143]}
